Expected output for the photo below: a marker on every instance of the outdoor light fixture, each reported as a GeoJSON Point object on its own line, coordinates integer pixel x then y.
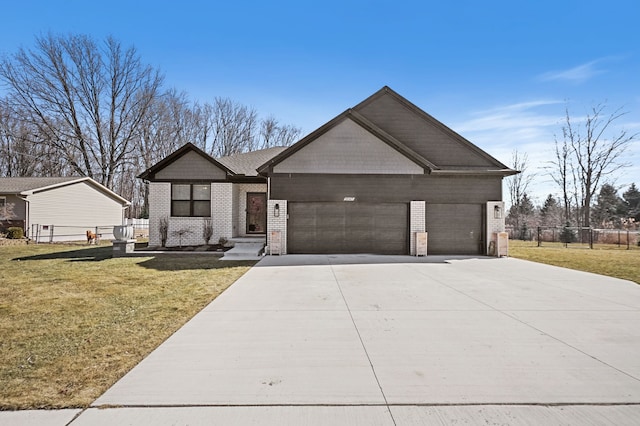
{"type": "Point", "coordinates": [497, 212]}
{"type": "Point", "coordinates": [276, 210]}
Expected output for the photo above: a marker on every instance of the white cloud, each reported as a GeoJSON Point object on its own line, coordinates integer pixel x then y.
{"type": "Point", "coordinates": [528, 127]}
{"type": "Point", "coordinates": [578, 74]}
{"type": "Point", "coordinates": [518, 116]}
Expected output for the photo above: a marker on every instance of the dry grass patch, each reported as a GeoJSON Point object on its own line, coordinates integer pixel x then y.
{"type": "Point", "coordinates": [603, 259]}
{"type": "Point", "coordinates": [73, 320]}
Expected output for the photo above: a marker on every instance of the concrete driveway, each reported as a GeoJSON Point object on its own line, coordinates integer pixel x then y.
{"type": "Point", "coordinates": [372, 340]}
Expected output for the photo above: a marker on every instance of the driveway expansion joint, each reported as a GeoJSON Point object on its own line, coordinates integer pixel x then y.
{"type": "Point", "coordinates": [364, 348]}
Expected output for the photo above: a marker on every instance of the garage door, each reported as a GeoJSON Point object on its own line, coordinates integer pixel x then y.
{"type": "Point", "coordinates": [454, 228]}
{"type": "Point", "coordinates": [347, 227]}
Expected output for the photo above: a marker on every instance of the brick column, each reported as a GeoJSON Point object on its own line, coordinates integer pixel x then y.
{"type": "Point", "coordinates": [222, 210]}
{"type": "Point", "coordinates": [277, 223]}
{"type": "Point", "coordinates": [417, 222]}
{"type": "Point", "coordinates": [494, 224]}
{"type": "Point", "coordinates": [159, 206]}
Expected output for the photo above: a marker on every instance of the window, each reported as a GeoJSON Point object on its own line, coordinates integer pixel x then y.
{"type": "Point", "coordinates": [191, 200]}
{"type": "Point", "coordinates": [3, 207]}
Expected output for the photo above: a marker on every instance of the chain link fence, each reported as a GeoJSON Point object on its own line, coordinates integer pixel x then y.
{"type": "Point", "coordinates": [576, 237]}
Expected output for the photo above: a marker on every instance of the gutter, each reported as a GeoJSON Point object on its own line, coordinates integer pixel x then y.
{"type": "Point", "coordinates": [495, 172]}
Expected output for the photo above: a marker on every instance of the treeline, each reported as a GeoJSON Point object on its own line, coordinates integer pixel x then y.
{"type": "Point", "coordinates": [75, 106]}
{"type": "Point", "coordinates": [610, 211]}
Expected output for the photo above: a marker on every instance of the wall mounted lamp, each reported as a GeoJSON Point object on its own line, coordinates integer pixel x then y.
{"type": "Point", "coordinates": [497, 212]}
{"type": "Point", "coordinates": [276, 210]}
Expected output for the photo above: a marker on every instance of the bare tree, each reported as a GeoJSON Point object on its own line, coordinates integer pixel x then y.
{"type": "Point", "coordinates": [84, 100]}
{"type": "Point", "coordinates": [562, 171]}
{"type": "Point", "coordinates": [517, 185]}
{"type": "Point", "coordinates": [19, 157]}
{"type": "Point", "coordinates": [591, 153]}
{"type": "Point", "coordinates": [233, 126]}
{"type": "Point", "coordinates": [272, 133]}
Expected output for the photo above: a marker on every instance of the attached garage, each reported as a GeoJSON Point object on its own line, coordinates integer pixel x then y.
{"type": "Point", "coordinates": [455, 228]}
{"type": "Point", "coordinates": [347, 227]}
{"type": "Point", "coordinates": [371, 178]}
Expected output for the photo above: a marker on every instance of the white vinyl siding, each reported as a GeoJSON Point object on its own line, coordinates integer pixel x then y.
{"type": "Point", "coordinates": [79, 204]}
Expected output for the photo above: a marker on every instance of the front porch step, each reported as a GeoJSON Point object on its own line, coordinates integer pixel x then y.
{"type": "Point", "coordinates": [245, 251]}
{"type": "Point", "coordinates": [253, 239]}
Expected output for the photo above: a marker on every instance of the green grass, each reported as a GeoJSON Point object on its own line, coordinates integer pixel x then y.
{"type": "Point", "coordinates": [73, 320]}
{"type": "Point", "coordinates": [603, 259]}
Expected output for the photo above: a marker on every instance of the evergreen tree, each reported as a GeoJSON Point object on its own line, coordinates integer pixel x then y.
{"type": "Point", "coordinates": [608, 211]}
{"type": "Point", "coordinates": [567, 235]}
{"type": "Point", "coordinates": [631, 203]}
{"type": "Point", "coordinates": [551, 212]}
{"type": "Point", "coordinates": [521, 217]}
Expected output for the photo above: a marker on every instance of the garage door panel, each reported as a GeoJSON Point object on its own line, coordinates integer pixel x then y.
{"type": "Point", "coordinates": [360, 221]}
{"type": "Point", "coordinates": [454, 228]}
{"type": "Point", "coordinates": [347, 228]}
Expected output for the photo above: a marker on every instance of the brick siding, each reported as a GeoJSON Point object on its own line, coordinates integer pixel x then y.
{"type": "Point", "coordinates": [277, 223]}
{"type": "Point", "coordinates": [417, 215]}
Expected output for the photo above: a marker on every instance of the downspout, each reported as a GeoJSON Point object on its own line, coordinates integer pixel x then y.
{"type": "Point", "coordinates": [123, 221]}
{"type": "Point", "coordinates": [27, 225]}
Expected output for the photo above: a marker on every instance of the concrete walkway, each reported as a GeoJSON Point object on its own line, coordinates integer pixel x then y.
{"type": "Point", "coordinates": [373, 340]}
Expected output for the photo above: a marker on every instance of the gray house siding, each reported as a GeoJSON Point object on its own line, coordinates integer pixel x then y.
{"type": "Point", "coordinates": [350, 149]}
{"type": "Point", "coordinates": [191, 166]}
{"type": "Point", "coordinates": [429, 139]}
{"type": "Point", "coordinates": [387, 188]}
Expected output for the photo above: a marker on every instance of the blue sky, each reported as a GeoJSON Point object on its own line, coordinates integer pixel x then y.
{"type": "Point", "coordinates": [498, 72]}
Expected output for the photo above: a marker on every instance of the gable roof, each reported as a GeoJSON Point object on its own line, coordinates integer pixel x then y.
{"type": "Point", "coordinates": [372, 115]}
{"type": "Point", "coordinates": [180, 152]}
{"type": "Point", "coordinates": [362, 122]}
{"type": "Point", "coordinates": [26, 186]}
{"type": "Point", "coordinates": [16, 185]}
{"type": "Point", "coordinates": [247, 163]}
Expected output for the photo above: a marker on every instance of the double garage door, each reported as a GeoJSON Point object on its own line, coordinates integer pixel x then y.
{"type": "Point", "coordinates": [347, 227]}
{"type": "Point", "coordinates": [381, 228]}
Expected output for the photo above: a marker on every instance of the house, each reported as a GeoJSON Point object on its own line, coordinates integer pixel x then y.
{"type": "Point", "coordinates": [59, 208]}
{"type": "Point", "coordinates": [365, 182]}
{"type": "Point", "coordinates": [191, 189]}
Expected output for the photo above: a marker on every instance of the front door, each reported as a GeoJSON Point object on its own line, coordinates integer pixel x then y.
{"type": "Point", "coordinates": [256, 213]}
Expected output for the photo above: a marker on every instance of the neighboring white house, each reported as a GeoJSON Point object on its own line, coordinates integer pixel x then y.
{"type": "Point", "coordinates": [60, 208]}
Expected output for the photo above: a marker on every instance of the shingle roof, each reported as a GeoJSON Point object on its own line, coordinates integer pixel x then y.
{"type": "Point", "coordinates": [16, 185]}
{"type": "Point", "coordinates": [248, 162]}
{"type": "Point", "coordinates": [29, 185]}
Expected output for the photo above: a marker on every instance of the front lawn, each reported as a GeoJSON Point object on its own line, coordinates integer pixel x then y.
{"type": "Point", "coordinates": [73, 320]}
{"type": "Point", "coordinates": [603, 259]}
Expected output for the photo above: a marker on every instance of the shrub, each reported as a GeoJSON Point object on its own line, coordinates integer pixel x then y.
{"type": "Point", "coordinates": [567, 235]}
{"type": "Point", "coordinates": [163, 227]}
{"type": "Point", "coordinates": [207, 230]}
{"type": "Point", "coordinates": [15, 233]}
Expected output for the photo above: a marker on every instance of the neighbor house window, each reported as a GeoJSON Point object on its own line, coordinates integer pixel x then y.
{"type": "Point", "coordinates": [3, 208]}
{"type": "Point", "coordinates": [191, 200]}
